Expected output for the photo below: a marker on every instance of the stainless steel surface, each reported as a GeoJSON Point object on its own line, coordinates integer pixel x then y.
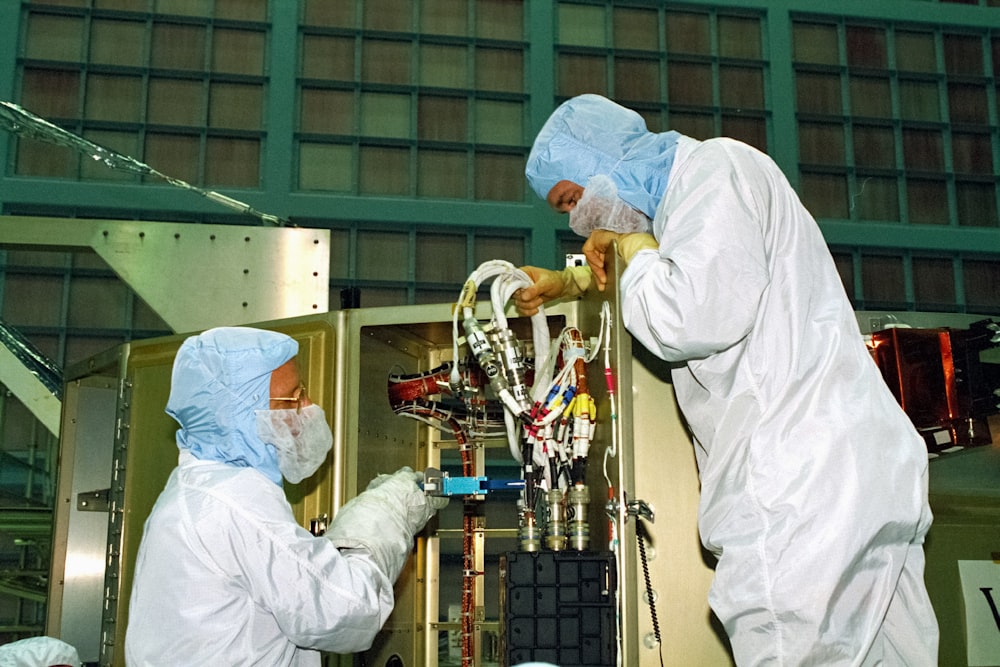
{"type": "Point", "coordinates": [80, 537]}
{"type": "Point", "coordinates": [199, 276]}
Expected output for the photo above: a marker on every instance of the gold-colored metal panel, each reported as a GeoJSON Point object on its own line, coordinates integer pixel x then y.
{"type": "Point", "coordinates": [315, 496]}
{"type": "Point", "coordinates": [666, 477]}
{"type": "Point", "coordinates": [621, 468]}
{"type": "Point", "coordinates": [375, 343]}
{"type": "Point", "coordinates": [146, 453]}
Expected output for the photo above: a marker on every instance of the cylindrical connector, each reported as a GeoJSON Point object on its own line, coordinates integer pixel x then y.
{"type": "Point", "coordinates": [555, 534]}
{"type": "Point", "coordinates": [577, 504]}
{"type": "Point", "coordinates": [480, 346]}
{"type": "Point", "coordinates": [530, 536]}
{"type": "Point", "coordinates": [510, 353]}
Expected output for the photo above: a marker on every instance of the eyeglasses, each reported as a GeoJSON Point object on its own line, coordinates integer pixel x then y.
{"type": "Point", "coordinates": [297, 397]}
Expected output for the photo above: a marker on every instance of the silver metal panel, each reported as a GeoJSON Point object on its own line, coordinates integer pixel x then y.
{"type": "Point", "coordinates": [876, 320]}
{"type": "Point", "coordinates": [199, 276]}
{"type": "Point", "coordinates": [81, 537]}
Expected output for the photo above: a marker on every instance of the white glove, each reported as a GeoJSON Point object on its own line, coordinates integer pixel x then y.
{"type": "Point", "coordinates": [436, 502]}
{"type": "Point", "coordinates": [384, 518]}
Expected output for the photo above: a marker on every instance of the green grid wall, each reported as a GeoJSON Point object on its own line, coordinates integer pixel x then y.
{"type": "Point", "coordinates": [412, 119]}
{"type": "Point", "coordinates": [381, 102]}
{"type": "Point", "coordinates": [700, 71]}
{"type": "Point", "coordinates": [428, 103]}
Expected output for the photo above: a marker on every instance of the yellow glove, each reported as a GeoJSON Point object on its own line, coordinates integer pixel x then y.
{"type": "Point", "coordinates": [598, 246]}
{"type": "Point", "coordinates": [548, 284]}
{"type": "Point", "coordinates": [576, 280]}
{"type": "Point", "coordinates": [630, 244]}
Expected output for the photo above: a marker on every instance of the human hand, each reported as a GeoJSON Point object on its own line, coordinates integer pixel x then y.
{"type": "Point", "coordinates": [382, 478]}
{"type": "Point", "coordinates": [384, 519]}
{"type": "Point", "coordinates": [546, 285]}
{"type": "Point", "coordinates": [596, 250]}
{"type": "Point", "coordinates": [402, 489]}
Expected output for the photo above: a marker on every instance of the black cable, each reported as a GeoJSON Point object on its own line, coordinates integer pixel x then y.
{"type": "Point", "coordinates": [641, 537]}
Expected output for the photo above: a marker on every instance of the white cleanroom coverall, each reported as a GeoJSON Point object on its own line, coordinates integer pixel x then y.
{"type": "Point", "coordinates": [39, 652]}
{"type": "Point", "coordinates": [813, 480]}
{"type": "Point", "coordinates": [224, 574]}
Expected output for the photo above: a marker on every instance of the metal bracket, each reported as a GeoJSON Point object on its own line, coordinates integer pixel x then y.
{"type": "Point", "coordinates": [638, 508]}
{"type": "Point", "coordinates": [319, 524]}
{"type": "Point", "coordinates": [94, 501]}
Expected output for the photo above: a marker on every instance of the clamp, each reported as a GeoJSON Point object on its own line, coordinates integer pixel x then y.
{"type": "Point", "coordinates": [438, 483]}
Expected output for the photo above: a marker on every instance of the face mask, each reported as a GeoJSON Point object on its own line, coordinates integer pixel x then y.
{"type": "Point", "coordinates": [600, 207]}
{"type": "Point", "coordinates": [301, 438]}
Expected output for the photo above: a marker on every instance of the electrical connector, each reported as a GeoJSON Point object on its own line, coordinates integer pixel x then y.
{"type": "Point", "coordinates": [438, 483]}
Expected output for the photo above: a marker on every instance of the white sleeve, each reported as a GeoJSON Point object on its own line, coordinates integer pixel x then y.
{"type": "Point", "coordinates": [699, 294]}
{"type": "Point", "coordinates": [320, 597]}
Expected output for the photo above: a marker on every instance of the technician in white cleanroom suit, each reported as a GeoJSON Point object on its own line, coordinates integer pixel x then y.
{"type": "Point", "coordinates": [224, 575]}
{"type": "Point", "coordinates": [813, 480]}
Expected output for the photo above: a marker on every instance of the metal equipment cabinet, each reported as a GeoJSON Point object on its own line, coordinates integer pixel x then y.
{"type": "Point", "coordinates": [114, 414]}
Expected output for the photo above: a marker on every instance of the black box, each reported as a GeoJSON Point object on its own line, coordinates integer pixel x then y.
{"type": "Point", "coordinates": [558, 607]}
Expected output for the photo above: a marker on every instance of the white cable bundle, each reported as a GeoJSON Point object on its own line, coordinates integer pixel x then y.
{"type": "Point", "coordinates": [507, 280]}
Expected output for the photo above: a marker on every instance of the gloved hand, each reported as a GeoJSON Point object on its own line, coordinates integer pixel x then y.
{"type": "Point", "coordinates": [384, 518]}
{"type": "Point", "coordinates": [630, 244]}
{"type": "Point", "coordinates": [437, 503]}
{"type": "Point", "coordinates": [570, 282]}
{"type": "Point", "coordinates": [599, 244]}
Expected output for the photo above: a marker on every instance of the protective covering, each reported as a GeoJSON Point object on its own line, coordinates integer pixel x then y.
{"type": "Point", "coordinates": [600, 207]}
{"type": "Point", "coordinates": [220, 378]}
{"type": "Point", "coordinates": [38, 652]}
{"type": "Point", "coordinates": [17, 119]}
{"type": "Point", "coordinates": [589, 135]}
{"type": "Point", "coordinates": [301, 439]}
{"type": "Point", "coordinates": [814, 482]}
{"type": "Point", "coordinates": [224, 574]}
{"type": "Point", "coordinates": [46, 370]}
{"type": "Point", "coordinates": [392, 506]}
